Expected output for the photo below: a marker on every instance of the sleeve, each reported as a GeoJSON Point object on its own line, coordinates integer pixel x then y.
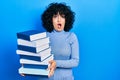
{"type": "Point", "coordinates": [74, 60]}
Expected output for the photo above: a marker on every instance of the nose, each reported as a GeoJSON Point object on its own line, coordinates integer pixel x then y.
{"type": "Point", "coordinates": [59, 18]}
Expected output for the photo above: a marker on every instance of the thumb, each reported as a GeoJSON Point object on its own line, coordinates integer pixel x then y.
{"type": "Point", "coordinates": [51, 61]}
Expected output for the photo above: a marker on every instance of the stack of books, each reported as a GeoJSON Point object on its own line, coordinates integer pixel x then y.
{"type": "Point", "coordinates": [34, 51]}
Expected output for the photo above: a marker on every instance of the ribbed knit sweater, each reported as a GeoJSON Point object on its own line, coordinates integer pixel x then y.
{"type": "Point", "coordinates": [64, 46]}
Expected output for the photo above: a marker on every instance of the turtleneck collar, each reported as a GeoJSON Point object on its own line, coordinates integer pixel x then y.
{"type": "Point", "coordinates": [58, 32]}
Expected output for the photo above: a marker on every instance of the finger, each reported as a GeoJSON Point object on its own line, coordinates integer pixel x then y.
{"type": "Point", "coordinates": [22, 74]}
{"type": "Point", "coordinates": [49, 67]}
{"type": "Point", "coordinates": [51, 72]}
{"type": "Point", "coordinates": [51, 61]}
{"type": "Point", "coordinates": [50, 64]}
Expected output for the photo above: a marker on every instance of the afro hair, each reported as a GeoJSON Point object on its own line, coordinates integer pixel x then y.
{"type": "Point", "coordinates": [53, 9]}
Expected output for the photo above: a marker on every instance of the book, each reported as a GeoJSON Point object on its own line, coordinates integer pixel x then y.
{"type": "Point", "coordinates": [21, 52]}
{"type": "Point", "coordinates": [44, 62]}
{"type": "Point", "coordinates": [39, 56]}
{"type": "Point", "coordinates": [36, 58]}
{"type": "Point", "coordinates": [33, 49]}
{"type": "Point", "coordinates": [35, 43]}
{"type": "Point", "coordinates": [32, 71]}
{"type": "Point", "coordinates": [35, 66]}
{"type": "Point", "coordinates": [31, 35]}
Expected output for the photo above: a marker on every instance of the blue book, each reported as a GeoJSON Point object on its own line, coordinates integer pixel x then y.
{"type": "Point", "coordinates": [31, 35]}
{"type": "Point", "coordinates": [35, 58]}
{"type": "Point", "coordinates": [31, 56]}
{"type": "Point", "coordinates": [31, 71]}
{"type": "Point", "coordinates": [33, 49]}
{"type": "Point", "coordinates": [35, 66]}
{"type": "Point", "coordinates": [41, 53]}
{"type": "Point", "coordinates": [44, 62]}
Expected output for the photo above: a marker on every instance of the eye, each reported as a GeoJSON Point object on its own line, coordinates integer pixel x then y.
{"type": "Point", "coordinates": [63, 16]}
{"type": "Point", "coordinates": [54, 16]}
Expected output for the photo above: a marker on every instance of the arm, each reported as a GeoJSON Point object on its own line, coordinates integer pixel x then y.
{"type": "Point", "coordinates": [74, 60]}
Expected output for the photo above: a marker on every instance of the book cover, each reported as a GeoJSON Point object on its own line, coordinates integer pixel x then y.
{"type": "Point", "coordinates": [36, 43]}
{"type": "Point", "coordinates": [32, 71]}
{"type": "Point", "coordinates": [44, 62]}
{"type": "Point", "coordinates": [36, 58]}
{"type": "Point", "coordinates": [21, 52]}
{"type": "Point", "coordinates": [33, 49]}
{"type": "Point", "coordinates": [31, 35]}
{"type": "Point", "coordinates": [35, 66]}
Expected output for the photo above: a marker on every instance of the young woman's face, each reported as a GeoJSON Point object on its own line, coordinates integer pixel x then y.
{"type": "Point", "coordinates": [58, 22]}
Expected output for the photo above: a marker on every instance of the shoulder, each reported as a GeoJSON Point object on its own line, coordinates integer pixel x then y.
{"type": "Point", "coordinates": [48, 34]}
{"type": "Point", "coordinates": [72, 37]}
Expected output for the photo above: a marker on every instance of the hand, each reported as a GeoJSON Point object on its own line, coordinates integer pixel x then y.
{"type": "Point", "coordinates": [22, 73]}
{"type": "Point", "coordinates": [52, 67]}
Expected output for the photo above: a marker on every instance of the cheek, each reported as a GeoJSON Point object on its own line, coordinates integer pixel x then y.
{"type": "Point", "coordinates": [64, 21]}
{"type": "Point", "coordinates": [54, 22]}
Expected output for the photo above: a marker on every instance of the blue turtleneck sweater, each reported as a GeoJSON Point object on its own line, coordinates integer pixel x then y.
{"type": "Point", "coordinates": [65, 48]}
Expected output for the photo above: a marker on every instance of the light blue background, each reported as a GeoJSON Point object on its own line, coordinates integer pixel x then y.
{"type": "Point", "coordinates": [97, 26]}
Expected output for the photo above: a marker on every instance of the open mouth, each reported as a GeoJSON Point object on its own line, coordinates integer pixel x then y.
{"type": "Point", "coordinates": [59, 25]}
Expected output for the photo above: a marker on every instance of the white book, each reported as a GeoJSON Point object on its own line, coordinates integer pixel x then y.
{"type": "Point", "coordinates": [38, 49]}
{"type": "Point", "coordinates": [35, 43]}
{"type": "Point", "coordinates": [38, 36]}
{"type": "Point", "coordinates": [33, 49]}
{"type": "Point", "coordinates": [32, 71]}
{"type": "Point", "coordinates": [41, 53]}
{"type": "Point", "coordinates": [39, 57]}
{"type": "Point", "coordinates": [45, 62]}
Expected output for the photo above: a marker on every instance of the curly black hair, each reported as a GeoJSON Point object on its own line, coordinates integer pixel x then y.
{"type": "Point", "coordinates": [53, 9]}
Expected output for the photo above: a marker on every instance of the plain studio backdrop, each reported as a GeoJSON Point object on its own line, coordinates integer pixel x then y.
{"type": "Point", "coordinates": [97, 25]}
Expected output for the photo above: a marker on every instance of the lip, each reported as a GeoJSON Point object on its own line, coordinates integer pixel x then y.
{"type": "Point", "coordinates": [59, 24]}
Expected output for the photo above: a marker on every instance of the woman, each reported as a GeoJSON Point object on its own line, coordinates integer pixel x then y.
{"type": "Point", "coordinates": [58, 19]}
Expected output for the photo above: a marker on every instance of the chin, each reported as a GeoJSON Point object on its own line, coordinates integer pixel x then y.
{"type": "Point", "coordinates": [59, 30]}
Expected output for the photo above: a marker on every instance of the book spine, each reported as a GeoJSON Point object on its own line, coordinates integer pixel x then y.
{"type": "Point", "coordinates": [33, 49]}
{"type": "Point", "coordinates": [35, 66]}
{"type": "Point", "coordinates": [27, 48]}
{"type": "Point", "coordinates": [35, 58]}
{"type": "Point", "coordinates": [36, 43]}
{"type": "Point", "coordinates": [30, 71]}
{"type": "Point", "coordinates": [44, 62]}
{"type": "Point", "coordinates": [46, 51]}
{"type": "Point", "coordinates": [22, 36]}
